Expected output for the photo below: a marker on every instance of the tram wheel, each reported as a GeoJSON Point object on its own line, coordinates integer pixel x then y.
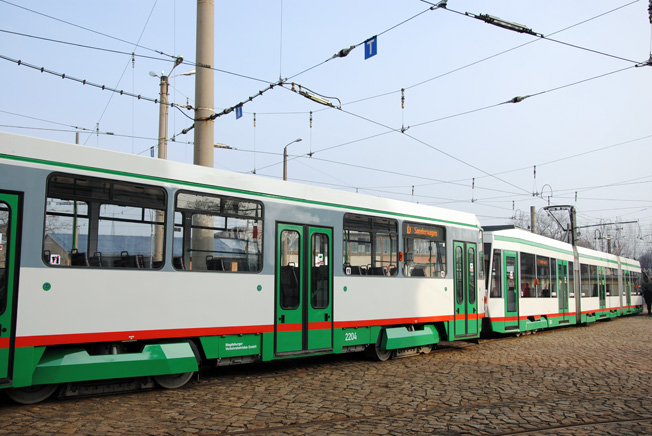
{"type": "Point", "coordinates": [377, 353]}
{"type": "Point", "coordinates": [173, 381]}
{"type": "Point", "coordinates": [31, 394]}
{"type": "Point", "coordinates": [425, 349]}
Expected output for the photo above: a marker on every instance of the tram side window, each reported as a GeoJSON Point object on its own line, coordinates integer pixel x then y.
{"type": "Point", "coordinates": [496, 274]}
{"type": "Point", "coordinates": [4, 225]}
{"type": "Point", "coordinates": [103, 223]}
{"type": "Point", "coordinates": [585, 280]}
{"type": "Point", "coordinates": [370, 246]}
{"type": "Point", "coordinates": [636, 284]}
{"type": "Point", "coordinates": [528, 276]}
{"type": "Point", "coordinates": [425, 250]}
{"type": "Point", "coordinates": [613, 280]}
{"type": "Point", "coordinates": [593, 274]}
{"type": "Point", "coordinates": [215, 233]}
{"type": "Point", "coordinates": [543, 276]}
{"type": "Point", "coordinates": [571, 280]}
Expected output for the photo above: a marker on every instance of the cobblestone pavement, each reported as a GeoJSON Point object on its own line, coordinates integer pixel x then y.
{"type": "Point", "coordinates": [593, 380]}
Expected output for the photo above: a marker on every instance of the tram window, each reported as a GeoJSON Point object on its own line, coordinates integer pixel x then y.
{"type": "Point", "coordinates": [543, 276]}
{"type": "Point", "coordinates": [103, 223]}
{"type": "Point", "coordinates": [612, 282]}
{"type": "Point", "coordinates": [571, 280]}
{"type": "Point", "coordinates": [472, 262]}
{"type": "Point", "coordinates": [4, 240]}
{"type": "Point", "coordinates": [585, 280]}
{"type": "Point", "coordinates": [370, 246]}
{"type": "Point", "coordinates": [459, 275]}
{"type": "Point", "coordinates": [593, 274]}
{"type": "Point", "coordinates": [425, 250]}
{"type": "Point", "coordinates": [553, 278]}
{"type": "Point", "coordinates": [496, 274]}
{"type": "Point", "coordinates": [320, 272]}
{"type": "Point", "coordinates": [214, 233]}
{"type": "Point", "coordinates": [528, 276]}
{"type": "Point", "coordinates": [290, 270]}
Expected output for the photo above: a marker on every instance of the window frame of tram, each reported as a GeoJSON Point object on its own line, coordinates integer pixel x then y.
{"type": "Point", "coordinates": [224, 222]}
{"type": "Point", "coordinates": [320, 264]}
{"type": "Point", "coordinates": [496, 275]}
{"type": "Point", "coordinates": [5, 222]}
{"type": "Point", "coordinates": [94, 207]}
{"type": "Point", "coordinates": [419, 243]}
{"type": "Point", "coordinates": [370, 246]}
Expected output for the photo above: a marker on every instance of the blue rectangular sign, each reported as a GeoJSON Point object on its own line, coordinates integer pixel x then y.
{"type": "Point", "coordinates": [238, 112]}
{"type": "Point", "coordinates": [371, 47]}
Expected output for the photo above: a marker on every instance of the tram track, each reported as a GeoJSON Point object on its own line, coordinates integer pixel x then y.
{"type": "Point", "coordinates": [456, 410]}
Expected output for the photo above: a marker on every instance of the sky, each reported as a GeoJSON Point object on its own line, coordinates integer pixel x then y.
{"type": "Point", "coordinates": [463, 139]}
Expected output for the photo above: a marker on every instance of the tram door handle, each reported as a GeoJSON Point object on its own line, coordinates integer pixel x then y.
{"type": "Point", "coordinates": [326, 317]}
{"type": "Point", "coordinates": [282, 319]}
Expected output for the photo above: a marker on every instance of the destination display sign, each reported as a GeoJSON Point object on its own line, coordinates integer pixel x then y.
{"type": "Point", "coordinates": [423, 231]}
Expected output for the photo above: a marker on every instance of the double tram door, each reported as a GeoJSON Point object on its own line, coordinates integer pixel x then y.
{"type": "Point", "coordinates": [466, 304]}
{"type": "Point", "coordinates": [562, 290]}
{"type": "Point", "coordinates": [511, 290]}
{"type": "Point", "coordinates": [9, 222]}
{"type": "Point", "coordinates": [304, 289]}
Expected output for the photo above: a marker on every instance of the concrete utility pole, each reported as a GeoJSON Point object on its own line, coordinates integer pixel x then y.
{"type": "Point", "coordinates": [204, 83]}
{"type": "Point", "coordinates": [163, 120]}
{"type": "Point", "coordinates": [202, 239]}
{"type": "Point", "coordinates": [533, 219]}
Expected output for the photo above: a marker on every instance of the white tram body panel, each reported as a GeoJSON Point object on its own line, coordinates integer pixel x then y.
{"type": "Point", "coordinates": [82, 305]}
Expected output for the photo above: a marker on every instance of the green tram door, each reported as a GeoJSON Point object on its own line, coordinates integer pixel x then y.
{"type": "Point", "coordinates": [466, 304]}
{"type": "Point", "coordinates": [562, 290]}
{"type": "Point", "coordinates": [511, 291]}
{"type": "Point", "coordinates": [9, 222]}
{"type": "Point", "coordinates": [304, 290]}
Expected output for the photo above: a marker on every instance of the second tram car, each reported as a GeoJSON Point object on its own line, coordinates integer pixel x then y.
{"type": "Point", "coordinates": [126, 268]}
{"type": "Point", "coordinates": [535, 282]}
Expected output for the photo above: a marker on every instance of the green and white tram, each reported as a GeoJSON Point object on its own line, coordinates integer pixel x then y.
{"type": "Point", "coordinates": [535, 282]}
{"type": "Point", "coordinates": [132, 269]}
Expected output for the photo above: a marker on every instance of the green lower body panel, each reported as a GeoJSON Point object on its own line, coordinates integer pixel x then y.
{"type": "Point", "coordinates": [219, 347]}
{"type": "Point", "coordinates": [395, 338]}
{"type": "Point", "coordinates": [72, 365]}
{"type": "Point", "coordinates": [541, 323]}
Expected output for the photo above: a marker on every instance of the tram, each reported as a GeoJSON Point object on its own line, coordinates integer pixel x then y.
{"type": "Point", "coordinates": [536, 283]}
{"type": "Point", "coordinates": [120, 270]}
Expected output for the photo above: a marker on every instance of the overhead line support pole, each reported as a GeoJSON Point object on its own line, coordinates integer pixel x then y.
{"type": "Point", "coordinates": [204, 84]}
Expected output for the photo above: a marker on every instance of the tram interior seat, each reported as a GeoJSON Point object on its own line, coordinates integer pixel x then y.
{"type": "Point", "coordinates": [392, 271]}
{"type": "Point", "coordinates": [95, 259]}
{"type": "Point", "coordinates": [214, 264]}
{"type": "Point", "coordinates": [46, 256]}
{"type": "Point", "coordinates": [355, 270]}
{"type": "Point", "coordinates": [418, 272]}
{"type": "Point", "coordinates": [129, 260]}
{"type": "Point", "coordinates": [376, 271]}
{"type": "Point", "coordinates": [178, 263]}
{"type": "Point", "coordinates": [78, 259]}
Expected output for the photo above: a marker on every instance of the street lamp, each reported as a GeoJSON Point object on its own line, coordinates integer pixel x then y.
{"type": "Point", "coordinates": [163, 112]}
{"type": "Point", "coordinates": [163, 148]}
{"type": "Point", "coordinates": [285, 158]}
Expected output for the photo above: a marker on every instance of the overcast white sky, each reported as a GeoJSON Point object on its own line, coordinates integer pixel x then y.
{"type": "Point", "coordinates": [591, 139]}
